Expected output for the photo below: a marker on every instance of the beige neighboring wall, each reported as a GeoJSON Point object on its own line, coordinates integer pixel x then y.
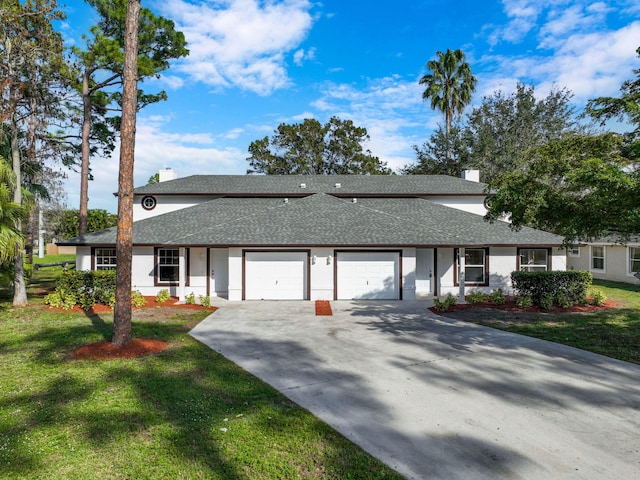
{"type": "Point", "coordinates": [53, 249]}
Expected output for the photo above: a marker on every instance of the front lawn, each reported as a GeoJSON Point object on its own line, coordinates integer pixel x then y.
{"type": "Point", "coordinates": [186, 412]}
{"type": "Point", "coordinates": [614, 332]}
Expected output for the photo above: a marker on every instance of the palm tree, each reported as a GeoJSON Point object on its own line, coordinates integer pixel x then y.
{"type": "Point", "coordinates": [449, 86]}
{"type": "Point", "coordinates": [11, 213]}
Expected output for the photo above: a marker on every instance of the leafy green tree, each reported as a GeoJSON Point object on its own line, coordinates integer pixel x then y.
{"type": "Point", "coordinates": [439, 155]}
{"type": "Point", "coordinates": [31, 66]}
{"type": "Point", "coordinates": [504, 127]}
{"type": "Point", "coordinates": [578, 186]}
{"type": "Point", "coordinates": [68, 225]}
{"type": "Point", "coordinates": [449, 86]}
{"type": "Point", "coordinates": [626, 107]}
{"type": "Point", "coordinates": [312, 148]}
{"type": "Point", "coordinates": [102, 64]}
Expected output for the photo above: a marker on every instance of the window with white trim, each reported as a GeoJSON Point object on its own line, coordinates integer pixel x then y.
{"type": "Point", "coordinates": [574, 251]}
{"type": "Point", "coordinates": [534, 259]}
{"type": "Point", "coordinates": [475, 266]}
{"type": "Point", "coordinates": [168, 265]}
{"type": "Point", "coordinates": [105, 258]}
{"type": "Point", "coordinates": [634, 260]}
{"type": "Point", "coordinates": [597, 257]}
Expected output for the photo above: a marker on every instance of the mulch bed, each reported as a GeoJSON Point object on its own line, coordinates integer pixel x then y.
{"type": "Point", "coordinates": [510, 306]}
{"type": "Point", "coordinates": [137, 347]}
{"type": "Point", "coordinates": [323, 307]}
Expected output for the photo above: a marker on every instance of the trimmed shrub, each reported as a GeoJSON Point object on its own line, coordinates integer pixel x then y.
{"type": "Point", "coordinates": [497, 297]}
{"type": "Point", "coordinates": [444, 305]}
{"type": "Point", "coordinates": [524, 301]}
{"type": "Point", "coordinates": [137, 299]}
{"type": "Point", "coordinates": [163, 296]}
{"type": "Point", "coordinates": [570, 286]}
{"type": "Point", "coordinates": [546, 302]}
{"type": "Point", "coordinates": [477, 297]}
{"type": "Point", "coordinates": [599, 298]}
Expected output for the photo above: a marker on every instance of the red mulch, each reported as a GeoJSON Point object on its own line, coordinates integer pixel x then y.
{"type": "Point", "coordinates": [137, 347]}
{"type": "Point", "coordinates": [151, 303]}
{"type": "Point", "coordinates": [323, 307]}
{"type": "Point", "coordinates": [510, 306]}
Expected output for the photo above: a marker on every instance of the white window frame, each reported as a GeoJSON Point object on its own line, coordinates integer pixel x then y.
{"type": "Point", "coordinates": [105, 253]}
{"type": "Point", "coordinates": [467, 265]}
{"type": "Point", "coordinates": [603, 257]}
{"type": "Point", "coordinates": [573, 252]}
{"type": "Point", "coordinates": [630, 271]}
{"type": "Point", "coordinates": [175, 264]}
{"type": "Point", "coordinates": [534, 267]}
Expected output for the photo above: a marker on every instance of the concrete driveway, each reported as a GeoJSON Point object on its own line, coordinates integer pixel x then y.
{"type": "Point", "coordinates": [435, 398]}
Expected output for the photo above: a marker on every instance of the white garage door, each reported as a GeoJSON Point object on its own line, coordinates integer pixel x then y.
{"type": "Point", "coordinates": [368, 275]}
{"type": "Point", "coordinates": [276, 275]}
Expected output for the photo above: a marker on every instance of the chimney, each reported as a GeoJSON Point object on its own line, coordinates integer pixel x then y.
{"type": "Point", "coordinates": [471, 175]}
{"type": "Point", "coordinates": [166, 174]}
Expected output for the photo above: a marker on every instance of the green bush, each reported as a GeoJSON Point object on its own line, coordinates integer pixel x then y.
{"type": "Point", "coordinates": [61, 298]}
{"type": "Point", "coordinates": [599, 298]}
{"type": "Point", "coordinates": [205, 300]}
{"type": "Point", "coordinates": [163, 296]}
{"type": "Point", "coordinates": [497, 297]}
{"type": "Point", "coordinates": [546, 301]}
{"type": "Point", "coordinates": [571, 285]}
{"type": "Point", "coordinates": [443, 306]}
{"type": "Point", "coordinates": [563, 301]}
{"type": "Point", "coordinates": [190, 299]}
{"type": "Point", "coordinates": [524, 301]}
{"type": "Point", "coordinates": [137, 299]}
{"type": "Point", "coordinates": [477, 297]}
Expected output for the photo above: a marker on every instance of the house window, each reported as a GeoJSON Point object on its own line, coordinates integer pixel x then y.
{"type": "Point", "coordinates": [148, 202]}
{"type": "Point", "coordinates": [597, 257]}
{"type": "Point", "coordinates": [168, 265]}
{"type": "Point", "coordinates": [534, 259]}
{"type": "Point", "coordinates": [105, 258]}
{"type": "Point", "coordinates": [475, 266]}
{"type": "Point", "coordinates": [574, 251]}
{"type": "Point", "coordinates": [634, 260]}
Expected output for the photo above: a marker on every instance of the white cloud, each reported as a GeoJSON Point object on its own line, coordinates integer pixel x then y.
{"type": "Point", "coordinates": [241, 43]}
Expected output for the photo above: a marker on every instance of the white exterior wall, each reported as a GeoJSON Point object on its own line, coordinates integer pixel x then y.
{"type": "Point", "coordinates": [616, 263]}
{"type": "Point", "coordinates": [409, 273]}
{"type": "Point", "coordinates": [471, 204]}
{"type": "Point", "coordinates": [235, 274]}
{"type": "Point", "coordinates": [502, 261]}
{"type": "Point", "coordinates": [444, 259]}
{"type": "Point", "coordinates": [559, 259]}
{"type": "Point", "coordinates": [83, 258]}
{"type": "Point", "coordinates": [165, 204]}
{"type": "Point", "coordinates": [143, 271]}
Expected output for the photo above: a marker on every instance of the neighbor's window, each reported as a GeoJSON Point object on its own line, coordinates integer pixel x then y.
{"type": "Point", "coordinates": [574, 251]}
{"type": "Point", "coordinates": [634, 259]}
{"type": "Point", "coordinates": [105, 258]}
{"type": "Point", "coordinates": [597, 257]}
{"type": "Point", "coordinates": [534, 259]}
{"type": "Point", "coordinates": [168, 264]}
{"type": "Point", "coordinates": [475, 266]}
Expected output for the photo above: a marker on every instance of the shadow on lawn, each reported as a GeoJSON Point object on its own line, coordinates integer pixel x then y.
{"type": "Point", "coordinates": [186, 392]}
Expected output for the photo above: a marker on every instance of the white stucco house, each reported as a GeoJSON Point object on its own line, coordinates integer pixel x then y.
{"type": "Point", "coordinates": [319, 237]}
{"type": "Point", "coordinates": [607, 258]}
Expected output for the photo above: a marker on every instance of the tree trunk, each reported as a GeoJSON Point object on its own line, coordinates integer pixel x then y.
{"type": "Point", "coordinates": [19, 285]}
{"type": "Point", "coordinates": [84, 164]}
{"type": "Point", "coordinates": [124, 239]}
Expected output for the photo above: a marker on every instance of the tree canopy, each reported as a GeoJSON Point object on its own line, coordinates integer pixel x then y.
{"type": "Point", "coordinates": [313, 148]}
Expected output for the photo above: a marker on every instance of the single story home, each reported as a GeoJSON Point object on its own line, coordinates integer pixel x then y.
{"type": "Point", "coordinates": [246, 237]}
{"type": "Point", "coordinates": [607, 258]}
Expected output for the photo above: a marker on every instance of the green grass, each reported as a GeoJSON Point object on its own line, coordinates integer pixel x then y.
{"type": "Point", "coordinates": [185, 413]}
{"type": "Point", "coordinates": [614, 332]}
{"type": "Point", "coordinates": [58, 257]}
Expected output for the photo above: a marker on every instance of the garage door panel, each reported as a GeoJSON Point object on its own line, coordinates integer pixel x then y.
{"type": "Point", "coordinates": [368, 275]}
{"type": "Point", "coordinates": [276, 275]}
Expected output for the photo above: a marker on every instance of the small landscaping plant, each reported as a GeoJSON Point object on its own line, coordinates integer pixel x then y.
{"type": "Point", "coordinates": [137, 299]}
{"type": "Point", "coordinates": [163, 296]}
{"type": "Point", "coordinates": [497, 297]}
{"type": "Point", "coordinates": [524, 301]}
{"type": "Point", "coordinates": [444, 305]}
{"type": "Point", "coordinates": [205, 300]}
{"type": "Point", "coordinates": [598, 298]}
{"type": "Point", "coordinates": [477, 297]}
{"type": "Point", "coordinates": [546, 301]}
{"type": "Point", "coordinates": [190, 299]}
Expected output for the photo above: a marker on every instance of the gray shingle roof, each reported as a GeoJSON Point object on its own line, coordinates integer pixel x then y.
{"type": "Point", "coordinates": [322, 219]}
{"type": "Point", "coordinates": [289, 185]}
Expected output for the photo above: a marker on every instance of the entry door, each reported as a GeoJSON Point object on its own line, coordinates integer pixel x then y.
{"type": "Point", "coordinates": [219, 258]}
{"type": "Point", "coordinates": [276, 275]}
{"type": "Point", "coordinates": [424, 271]}
{"type": "Point", "coordinates": [368, 275]}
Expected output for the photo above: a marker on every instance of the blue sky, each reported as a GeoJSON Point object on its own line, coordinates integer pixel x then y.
{"type": "Point", "coordinates": [255, 64]}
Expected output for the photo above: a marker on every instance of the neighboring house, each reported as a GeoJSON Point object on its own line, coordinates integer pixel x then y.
{"type": "Point", "coordinates": [319, 237]}
{"type": "Point", "coordinates": [607, 259]}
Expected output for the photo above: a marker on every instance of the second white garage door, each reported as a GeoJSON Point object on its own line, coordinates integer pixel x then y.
{"type": "Point", "coordinates": [368, 275]}
{"type": "Point", "coordinates": [276, 275]}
